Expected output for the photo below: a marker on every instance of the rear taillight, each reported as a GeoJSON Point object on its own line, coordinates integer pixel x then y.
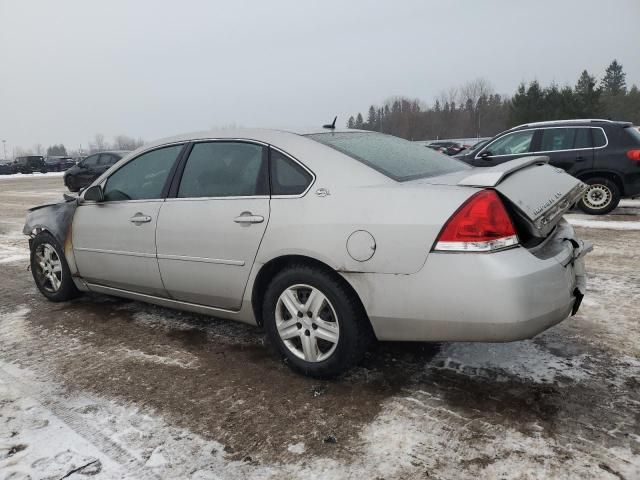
{"type": "Point", "coordinates": [481, 224]}
{"type": "Point", "coordinates": [634, 155]}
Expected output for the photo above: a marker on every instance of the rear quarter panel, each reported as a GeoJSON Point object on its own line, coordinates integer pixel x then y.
{"type": "Point", "coordinates": [404, 221]}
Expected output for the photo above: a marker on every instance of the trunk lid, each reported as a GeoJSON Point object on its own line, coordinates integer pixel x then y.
{"type": "Point", "coordinates": [537, 193]}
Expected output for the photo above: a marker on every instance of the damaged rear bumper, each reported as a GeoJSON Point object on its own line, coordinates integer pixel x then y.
{"type": "Point", "coordinates": [497, 297]}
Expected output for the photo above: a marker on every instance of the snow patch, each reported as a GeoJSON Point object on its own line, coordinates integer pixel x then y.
{"type": "Point", "coordinates": [297, 448]}
{"type": "Point", "coordinates": [31, 175]}
{"type": "Point", "coordinates": [524, 360]}
{"type": "Point", "coordinates": [606, 224]}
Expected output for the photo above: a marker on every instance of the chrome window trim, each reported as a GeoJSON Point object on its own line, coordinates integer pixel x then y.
{"type": "Point", "coordinates": [104, 177]}
{"type": "Point", "coordinates": [230, 197]}
{"type": "Point", "coordinates": [264, 144]}
{"type": "Point", "coordinates": [115, 202]}
{"type": "Point", "coordinates": [304, 167]}
{"type": "Point", "coordinates": [477, 157]}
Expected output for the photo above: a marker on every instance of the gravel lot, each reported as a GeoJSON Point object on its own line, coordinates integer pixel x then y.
{"type": "Point", "coordinates": [110, 388]}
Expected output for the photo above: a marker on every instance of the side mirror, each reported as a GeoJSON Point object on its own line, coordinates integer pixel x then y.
{"type": "Point", "coordinates": [94, 194]}
{"type": "Point", "coordinates": [486, 155]}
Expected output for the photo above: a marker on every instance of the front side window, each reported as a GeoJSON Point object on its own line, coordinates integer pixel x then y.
{"type": "Point", "coordinates": [224, 169]}
{"type": "Point", "coordinates": [91, 161]}
{"type": "Point", "coordinates": [142, 178]}
{"type": "Point", "coordinates": [287, 177]}
{"type": "Point", "coordinates": [394, 157]}
{"type": "Point", "coordinates": [512, 144]}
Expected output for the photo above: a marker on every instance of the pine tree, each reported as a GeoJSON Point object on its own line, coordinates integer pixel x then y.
{"type": "Point", "coordinates": [372, 118]}
{"type": "Point", "coordinates": [614, 82]}
{"type": "Point", "coordinates": [359, 123]}
{"type": "Point", "coordinates": [351, 122]}
{"type": "Point", "coordinates": [587, 96]}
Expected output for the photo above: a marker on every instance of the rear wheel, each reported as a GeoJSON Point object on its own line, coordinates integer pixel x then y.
{"type": "Point", "coordinates": [315, 322]}
{"type": "Point", "coordinates": [50, 269]}
{"type": "Point", "coordinates": [602, 196]}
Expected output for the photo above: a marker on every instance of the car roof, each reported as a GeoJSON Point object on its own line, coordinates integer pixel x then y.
{"type": "Point", "coordinates": [258, 134]}
{"type": "Point", "coordinates": [573, 122]}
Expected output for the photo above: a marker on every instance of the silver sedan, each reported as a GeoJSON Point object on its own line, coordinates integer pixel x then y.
{"type": "Point", "coordinates": [328, 239]}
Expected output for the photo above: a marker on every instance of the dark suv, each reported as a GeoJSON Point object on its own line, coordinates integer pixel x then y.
{"type": "Point", "coordinates": [602, 153]}
{"type": "Point", "coordinates": [58, 163]}
{"type": "Point", "coordinates": [30, 164]}
{"type": "Point", "coordinates": [87, 170]}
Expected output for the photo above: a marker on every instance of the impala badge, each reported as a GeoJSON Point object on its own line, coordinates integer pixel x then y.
{"type": "Point", "coordinates": [548, 203]}
{"type": "Point", "coordinates": [322, 192]}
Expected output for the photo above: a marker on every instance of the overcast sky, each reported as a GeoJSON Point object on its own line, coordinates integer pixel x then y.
{"type": "Point", "coordinates": [73, 68]}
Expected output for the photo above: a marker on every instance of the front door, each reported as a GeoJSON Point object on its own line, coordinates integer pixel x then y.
{"type": "Point", "coordinates": [209, 233]}
{"type": "Point", "coordinates": [114, 240]}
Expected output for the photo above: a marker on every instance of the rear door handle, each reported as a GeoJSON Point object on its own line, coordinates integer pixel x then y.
{"type": "Point", "coordinates": [139, 218]}
{"type": "Point", "coordinates": [248, 217]}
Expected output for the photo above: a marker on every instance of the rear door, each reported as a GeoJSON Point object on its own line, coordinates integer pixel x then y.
{"type": "Point", "coordinates": [209, 232]}
{"type": "Point", "coordinates": [114, 241]}
{"type": "Point", "coordinates": [569, 148]}
{"type": "Point", "coordinates": [505, 148]}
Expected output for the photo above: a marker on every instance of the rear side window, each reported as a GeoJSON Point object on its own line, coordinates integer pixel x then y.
{"type": "Point", "coordinates": [582, 138]}
{"type": "Point", "coordinates": [287, 177]}
{"type": "Point", "coordinates": [557, 139]}
{"type": "Point", "coordinates": [394, 157]}
{"type": "Point", "coordinates": [224, 169]}
{"type": "Point", "coordinates": [142, 178]}
{"type": "Point", "coordinates": [599, 138]}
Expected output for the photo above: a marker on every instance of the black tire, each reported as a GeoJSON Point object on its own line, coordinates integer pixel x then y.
{"type": "Point", "coordinates": [66, 289]}
{"type": "Point", "coordinates": [602, 196]}
{"type": "Point", "coordinates": [355, 333]}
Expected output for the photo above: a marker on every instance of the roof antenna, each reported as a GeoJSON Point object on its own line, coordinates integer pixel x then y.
{"type": "Point", "coordinates": [331, 126]}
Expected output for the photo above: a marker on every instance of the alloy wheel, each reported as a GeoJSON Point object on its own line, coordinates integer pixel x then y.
{"type": "Point", "coordinates": [307, 323]}
{"type": "Point", "coordinates": [49, 267]}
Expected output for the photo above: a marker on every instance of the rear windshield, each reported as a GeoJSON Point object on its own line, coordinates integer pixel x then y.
{"type": "Point", "coordinates": [635, 133]}
{"type": "Point", "coordinates": [394, 157]}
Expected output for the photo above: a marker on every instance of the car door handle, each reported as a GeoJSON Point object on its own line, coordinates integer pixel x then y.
{"type": "Point", "coordinates": [248, 217]}
{"type": "Point", "coordinates": [138, 218]}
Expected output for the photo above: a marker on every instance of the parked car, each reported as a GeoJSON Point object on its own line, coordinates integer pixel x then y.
{"type": "Point", "coordinates": [604, 154]}
{"type": "Point", "coordinates": [30, 164]}
{"type": "Point", "coordinates": [327, 240]}
{"type": "Point", "coordinates": [58, 163]}
{"type": "Point", "coordinates": [86, 171]}
{"type": "Point", "coordinates": [7, 168]}
{"type": "Point", "coordinates": [446, 147]}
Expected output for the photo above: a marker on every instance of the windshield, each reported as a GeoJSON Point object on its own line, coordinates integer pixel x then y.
{"type": "Point", "coordinates": [392, 156]}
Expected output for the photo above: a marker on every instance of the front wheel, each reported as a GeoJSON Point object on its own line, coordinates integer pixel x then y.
{"type": "Point", "coordinates": [315, 322]}
{"type": "Point", "coordinates": [601, 197]}
{"type": "Point", "coordinates": [50, 269]}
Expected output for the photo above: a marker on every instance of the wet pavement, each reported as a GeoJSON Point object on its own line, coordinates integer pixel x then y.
{"type": "Point", "coordinates": [118, 389]}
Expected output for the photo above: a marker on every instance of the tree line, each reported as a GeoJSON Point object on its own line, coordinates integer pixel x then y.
{"type": "Point", "coordinates": [475, 110]}
{"type": "Point", "coordinates": [97, 144]}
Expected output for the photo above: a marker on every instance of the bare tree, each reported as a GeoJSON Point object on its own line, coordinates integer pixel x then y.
{"type": "Point", "coordinates": [98, 143]}
{"type": "Point", "coordinates": [38, 149]}
{"type": "Point", "coordinates": [124, 142]}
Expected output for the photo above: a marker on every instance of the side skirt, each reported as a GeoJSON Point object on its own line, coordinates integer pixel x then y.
{"type": "Point", "coordinates": [244, 315]}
